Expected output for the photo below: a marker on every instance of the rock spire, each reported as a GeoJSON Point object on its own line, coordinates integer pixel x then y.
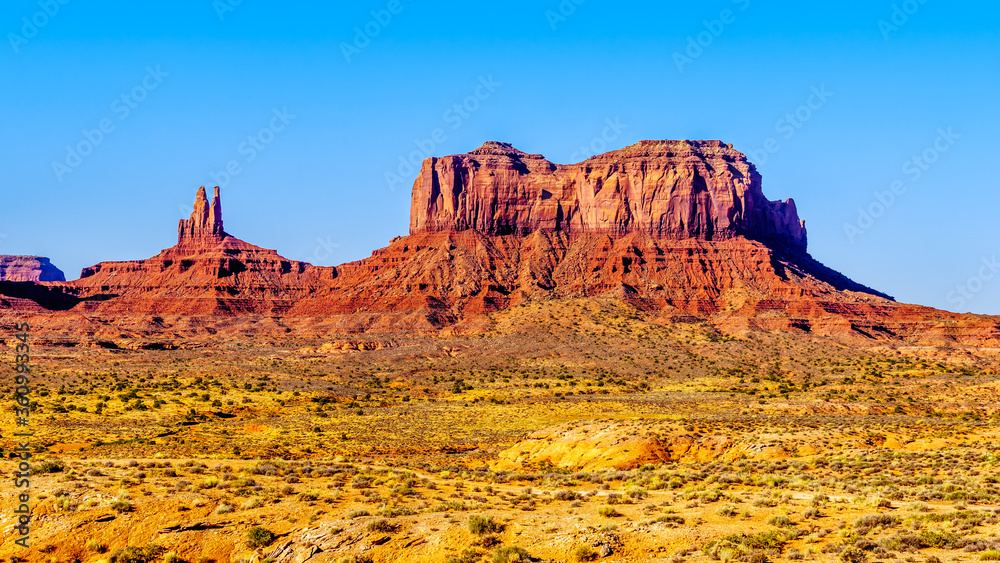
{"type": "Point", "coordinates": [205, 221]}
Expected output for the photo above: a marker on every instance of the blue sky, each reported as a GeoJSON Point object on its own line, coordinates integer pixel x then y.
{"type": "Point", "coordinates": [313, 105]}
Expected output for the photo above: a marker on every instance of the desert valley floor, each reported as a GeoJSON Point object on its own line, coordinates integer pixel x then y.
{"type": "Point", "coordinates": [570, 430]}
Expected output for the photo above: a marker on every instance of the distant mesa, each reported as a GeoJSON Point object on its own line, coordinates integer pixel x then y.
{"type": "Point", "coordinates": [29, 269]}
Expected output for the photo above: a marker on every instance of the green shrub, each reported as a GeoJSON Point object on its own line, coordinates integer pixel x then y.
{"type": "Point", "coordinates": [638, 493]}
{"type": "Point", "coordinates": [450, 506]}
{"type": "Point", "coordinates": [145, 554]}
{"type": "Point", "coordinates": [608, 512]}
{"type": "Point", "coordinates": [671, 520]}
{"type": "Point", "coordinates": [122, 506]}
{"type": "Point", "coordinates": [938, 538]}
{"type": "Point", "coordinates": [990, 555]}
{"type": "Point", "coordinates": [819, 500]}
{"type": "Point", "coordinates": [902, 542]}
{"type": "Point", "coordinates": [707, 496]}
{"type": "Point", "coordinates": [468, 555]}
{"type": "Point", "coordinates": [728, 510]}
{"type": "Point", "coordinates": [511, 554]}
{"type": "Point", "coordinates": [252, 503]}
{"type": "Point", "coordinates": [866, 523]}
{"type": "Point", "coordinates": [584, 553]}
{"type": "Point", "coordinates": [765, 540]}
{"type": "Point", "coordinates": [259, 536]}
{"type": "Point", "coordinates": [565, 495]}
{"type": "Point", "coordinates": [49, 466]}
{"type": "Point", "coordinates": [750, 548]}
{"type": "Point", "coordinates": [853, 555]}
{"type": "Point", "coordinates": [481, 525]}
{"type": "Point", "coordinates": [381, 526]}
{"type": "Point", "coordinates": [780, 520]}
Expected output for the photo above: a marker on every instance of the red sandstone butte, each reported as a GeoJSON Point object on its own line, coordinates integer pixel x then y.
{"type": "Point", "coordinates": [677, 190]}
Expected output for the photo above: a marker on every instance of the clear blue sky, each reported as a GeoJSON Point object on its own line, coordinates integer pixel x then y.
{"type": "Point", "coordinates": [200, 78]}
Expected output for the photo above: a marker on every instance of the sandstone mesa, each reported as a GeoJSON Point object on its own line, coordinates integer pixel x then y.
{"type": "Point", "coordinates": [29, 269]}
{"type": "Point", "coordinates": [703, 190]}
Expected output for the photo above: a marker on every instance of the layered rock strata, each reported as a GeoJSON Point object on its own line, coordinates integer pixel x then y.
{"type": "Point", "coordinates": [703, 190]}
{"type": "Point", "coordinates": [29, 269]}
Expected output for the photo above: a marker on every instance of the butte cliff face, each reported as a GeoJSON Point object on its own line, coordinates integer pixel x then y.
{"type": "Point", "coordinates": [677, 190]}
{"type": "Point", "coordinates": [29, 269]}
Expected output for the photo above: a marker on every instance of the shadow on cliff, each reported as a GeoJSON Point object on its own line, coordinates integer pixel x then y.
{"type": "Point", "coordinates": [783, 258]}
{"type": "Point", "coordinates": [52, 298]}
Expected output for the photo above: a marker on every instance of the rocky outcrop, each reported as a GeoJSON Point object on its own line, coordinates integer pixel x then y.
{"type": "Point", "coordinates": [704, 190]}
{"type": "Point", "coordinates": [207, 272]}
{"type": "Point", "coordinates": [434, 280]}
{"type": "Point", "coordinates": [205, 221]}
{"type": "Point", "coordinates": [29, 269]}
{"type": "Point", "coordinates": [625, 445]}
